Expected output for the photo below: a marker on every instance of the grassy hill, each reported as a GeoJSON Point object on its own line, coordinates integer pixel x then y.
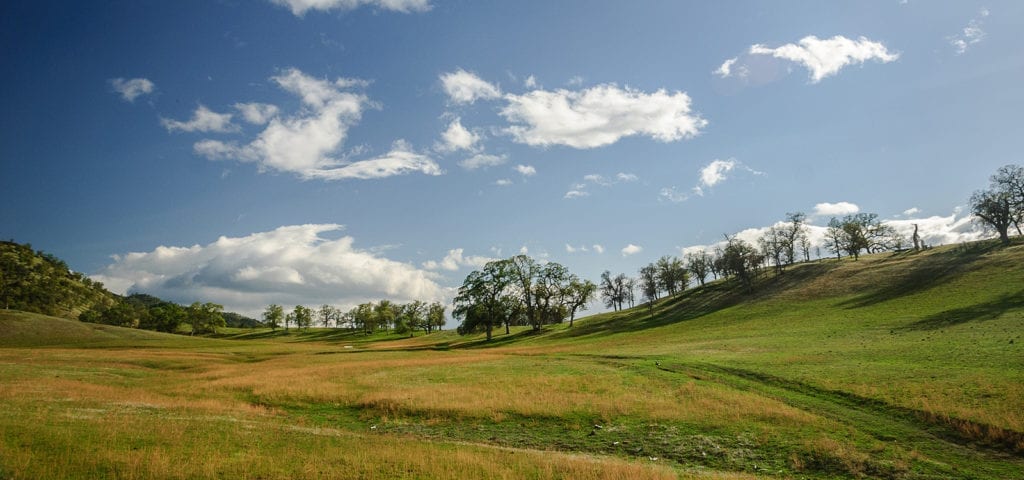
{"type": "Point", "coordinates": [901, 365]}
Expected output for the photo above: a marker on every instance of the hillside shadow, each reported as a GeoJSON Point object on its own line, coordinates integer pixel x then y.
{"type": "Point", "coordinates": [978, 312]}
{"type": "Point", "coordinates": [923, 274]}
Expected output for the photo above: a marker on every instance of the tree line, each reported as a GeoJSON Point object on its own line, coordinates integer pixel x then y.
{"type": "Point", "coordinates": [369, 316]}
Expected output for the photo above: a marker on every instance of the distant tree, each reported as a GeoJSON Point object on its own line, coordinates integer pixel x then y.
{"type": "Point", "coordinates": [1010, 179]}
{"type": "Point", "coordinates": [649, 282]}
{"type": "Point", "coordinates": [435, 317]}
{"type": "Point", "coordinates": [273, 316]}
{"type": "Point", "coordinates": [204, 317]}
{"type": "Point", "coordinates": [579, 295]}
{"type": "Point", "coordinates": [835, 237]}
{"type": "Point", "coordinates": [303, 317]}
{"type": "Point", "coordinates": [672, 274]}
{"type": "Point", "coordinates": [479, 303]}
{"type": "Point", "coordinates": [164, 317]}
{"type": "Point", "coordinates": [326, 314]}
{"type": "Point", "coordinates": [739, 259]}
{"type": "Point", "coordinates": [775, 247]}
{"type": "Point", "coordinates": [611, 291]}
{"type": "Point", "coordinates": [1001, 205]}
{"type": "Point", "coordinates": [412, 315]}
{"type": "Point", "coordinates": [384, 313]}
{"type": "Point", "coordinates": [794, 235]}
{"type": "Point", "coordinates": [699, 265]}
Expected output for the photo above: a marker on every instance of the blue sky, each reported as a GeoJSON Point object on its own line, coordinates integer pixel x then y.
{"type": "Point", "coordinates": [339, 151]}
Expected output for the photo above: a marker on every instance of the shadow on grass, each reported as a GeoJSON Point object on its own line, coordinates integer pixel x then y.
{"type": "Point", "coordinates": [978, 312]}
{"type": "Point", "coordinates": [924, 273]}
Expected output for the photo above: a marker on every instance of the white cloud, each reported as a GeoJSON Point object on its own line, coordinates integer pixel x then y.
{"type": "Point", "coordinates": [825, 57]}
{"type": "Point", "coordinates": [572, 249]}
{"type": "Point", "coordinates": [257, 113]}
{"type": "Point", "coordinates": [530, 82]}
{"type": "Point", "coordinates": [599, 116]}
{"type": "Point", "coordinates": [598, 248]}
{"type": "Point", "coordinates": [911, 211]}
{"type": "Point", "coordinates": [631, 250]}
{"type": "Point", "coordinates": [835, 209]}
{"type": "Point", "coordinates": [580, 189]}
{"type": "Point", "coordinates": [203, 120]}
{"type": "Point", "coordinates": [725, 70]}
{"type": "Point", "coordinates": [503, 182]}
{"type": "Point", "coordinates": [300, 7]}
{"type": "Point", "coordinates": [714, 172]}
{"type": "Point", "coordinates": [710, 175]}
{"type": "Point", "coordinates": [526, 170]}
{"type": "Point", "coordinates": [455, 259]}
{"type": "Point", "coordinates": [401, 160]}
{"type": "Point", "coordinates": [133, 88]}
{"type": "Point", "coordinates": [307, 143]}
{"type": "Point", "coordinates": [291, 265]}
{"type": "Point", "coordinates": [465, 87]}
{"type": "Point", "coordinates": [482, 160]}
{"type": "Point", "coordinates": [575, 81]}
{"type": "Point", "coordinates": [971, 34]}
{"type": "Point", "coordinates": [458, 137]}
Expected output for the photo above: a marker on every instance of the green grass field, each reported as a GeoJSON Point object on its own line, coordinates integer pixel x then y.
{"type": "Point", "coordinates": [903, 365]}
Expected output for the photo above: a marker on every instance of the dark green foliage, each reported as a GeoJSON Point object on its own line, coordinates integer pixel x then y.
{"type": "Point", "coordinates": [38, 282]}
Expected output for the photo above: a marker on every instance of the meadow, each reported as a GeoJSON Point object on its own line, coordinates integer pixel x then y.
{"type": "Point", "coordinates": [904, 365]}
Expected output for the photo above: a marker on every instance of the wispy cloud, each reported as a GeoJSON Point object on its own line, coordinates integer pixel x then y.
{"type": "Point", "coordinates": [580, 189]}
{"type": "Point", "coordinates": [130, 89]}
{"type": "Point", "coordinates": [203, 120]}
{"type": "Point", "coordinates": [465, 87]}
{"type": "Point", "coordinates": [971, 35]}
{"type": "Point", "coordinates": [714, 173]}
{"type": "Point", "coordinates": [300, 7]}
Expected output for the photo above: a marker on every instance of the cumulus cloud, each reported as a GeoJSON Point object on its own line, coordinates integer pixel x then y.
{"type": "Point", "coordinates": [299, 264]}
{"type": "Point", "coordinates": [257, 113]}
{"type": "Point", "coordinates": [203, 120]}
{"type": "Point", "coordinates": [456, 259]}
{"type": "Point", "coordinates": [970, 35]}
{"type": "Point", "coordinates": [576, 193]}
{"type": "Point", "coordinates": [464, 87]}
{"type": "Point", "coordinates": [130, 89]}
{"type": "Point", "coordinates": [911, 211]}
{"type": "Point", "coordinates": [307, 142]}
{"type": "Point", "coordinates": [825, 57]}
{"type": "Point", "coordinates": [457, 137]}
{"type": "Point", "coordinates": [631, 250]}
{"type": "Point", "coordinates": [714, 173]}
{"type": "Point", "coordinates": [599, 116]}
{"type": "Point", "coordinates": [530, 82]}
{"type": "Point", "coordinates": [503, 182]}
{"type": "Point", "coordinates": [835, 209]}
{"type": "Point", "coordinates": [598, 248]}
{"type": "Point", "coordinates": [300, 7]}
{"type": "Point", "coordinates": [482, 160]}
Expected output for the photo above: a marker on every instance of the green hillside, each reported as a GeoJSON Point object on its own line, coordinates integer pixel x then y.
{"type": "Point", "coordinates": [904, 366]}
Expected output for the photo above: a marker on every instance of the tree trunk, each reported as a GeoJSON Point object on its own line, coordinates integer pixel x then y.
{"type": "Point", "coordinates": [488, 331]}
{"type": "Point", "coordinates": [1003, 237]}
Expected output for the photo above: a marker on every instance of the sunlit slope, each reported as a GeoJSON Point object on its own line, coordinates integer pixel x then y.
{"type": "Point", "coordinates": [938, 331]}
{"type": "Point", "coordinates": [22, 329]}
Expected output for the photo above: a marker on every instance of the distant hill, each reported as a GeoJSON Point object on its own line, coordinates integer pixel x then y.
{"type": "Point", "coordinates": [38, 282]}
{"type": "Point", "coordinates": [35, 281]}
